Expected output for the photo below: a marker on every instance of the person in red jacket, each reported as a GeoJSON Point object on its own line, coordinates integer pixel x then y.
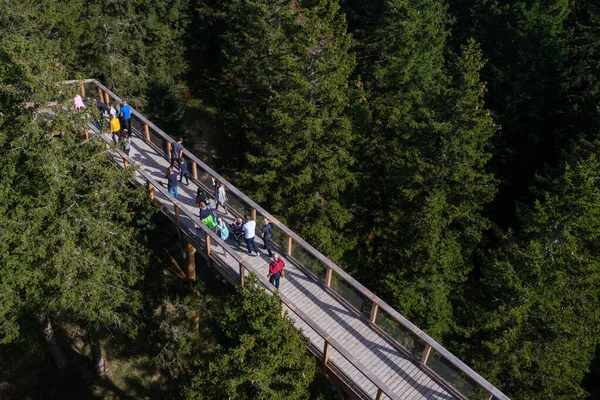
{"type": "Point", "coordinates": [275, 270]}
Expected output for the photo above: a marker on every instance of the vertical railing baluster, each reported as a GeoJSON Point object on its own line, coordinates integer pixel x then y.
{"type": "Point", "coordinates": [289, 246]}
{"type": "Point", "coordinates": [194, 170]}
{"type": "Point", "coordinates": [373, 316]}
{"type": "Point", "coordinates": [426, 353]}
{"type": "Point", "coordinates": [328, 276]}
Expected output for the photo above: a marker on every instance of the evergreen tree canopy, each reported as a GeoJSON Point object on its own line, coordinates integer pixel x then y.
{"type": "Point", "coordinates": [260, 356]}
{"type": "Point", "coordinates": [72, 224]}
{"type": "Point", "coordinates": [534, 317]}
{"type": "Point", "coordinates": [423, 160]}
{"type": "Point", "coordinates": [283, 102]}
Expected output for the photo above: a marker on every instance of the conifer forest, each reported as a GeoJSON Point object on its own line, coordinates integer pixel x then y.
{"type": "Point", "coordinates": [445, 153]}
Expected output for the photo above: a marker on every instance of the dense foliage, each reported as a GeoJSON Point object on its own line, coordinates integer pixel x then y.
{"type": "Point", "coordinates": [259, 355]}
{"type": "Point", "coordinates": [444, 152]}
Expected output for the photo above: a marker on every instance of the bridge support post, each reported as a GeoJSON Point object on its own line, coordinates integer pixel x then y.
{"type": "Point", "coordinates": [191, 262]}
{"type": "Point", "coordinates": [426, 353]}
{"type": "Point", "coordinates": [374, 310]}
{"type": "Point", "coordinates": [242, 275]}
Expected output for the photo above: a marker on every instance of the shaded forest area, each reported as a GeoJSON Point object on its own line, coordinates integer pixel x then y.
{"type": "Point", "coordinates": [444, 153]}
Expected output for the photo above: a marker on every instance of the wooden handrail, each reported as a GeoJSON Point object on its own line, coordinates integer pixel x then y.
{"type": "Point", "coordinates": [429, 341]}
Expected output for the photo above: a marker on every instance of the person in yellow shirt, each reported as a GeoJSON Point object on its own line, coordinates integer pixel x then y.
{"type": "Point", "coordinates": [115, 128]}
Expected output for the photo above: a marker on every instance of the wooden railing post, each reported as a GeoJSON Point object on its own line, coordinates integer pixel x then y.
{"type": "Point", "coordinates": [426, 353]}
{"type": "Point", "coordinates": [282, 304]}
{"type": "Point", "coordinates": [208, 249]}
{"type": "Point", "coordinates": [147, 132]}
{"type": "Point", "coordinates": [489, 396]}
{"type": "Point", "coordinates": [107, 102]}
{"type": "Point", "coordinates": [87, 134]}
{"type": "Point", "coordinates": [374, 311]}
{"type": "Point", "coordinates": [100, 96]}
{"type": "Point", "coordinates": [177, 217]}
{"type": "Point", "coordinates": [379, 394]}
{"type": "Point", "coordinates": [194, 170]}
{"type": "Point", "coordinates": [191, 261]}
{"type": "Point", "coordinates": [326, 349]}
{"type": "Point", "coordinates": [168, 150]}
{"type": "Point", "coordinates": [125, 163]}
{"type": "Point", "coordinates": [328, 276]}
{"type": "Point", "coordinates": [242, 275]}
{"type": "Point", "coordinates": [254, 214]}
{"type": "Point", "coordinates": [82, 90]}
{"type": "Point", "coordinates": [151, 190]}
{"type": "Point", "coordinates": [289, 246]}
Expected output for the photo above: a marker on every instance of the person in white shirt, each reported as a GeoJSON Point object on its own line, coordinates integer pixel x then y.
{"type": "Point", "coordinates": [249, 229]}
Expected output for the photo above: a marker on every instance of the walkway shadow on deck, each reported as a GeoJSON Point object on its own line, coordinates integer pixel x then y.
{"type": "Point", "coordinates": [377, 349]}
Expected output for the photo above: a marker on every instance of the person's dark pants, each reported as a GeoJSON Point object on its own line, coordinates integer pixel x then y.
{"type": "Point", "coordinates": [100, 121]}
{"type": "Point", "coordinates": [127, 123]}
{"type": "Point", "coordinates": [174, 161]}
{"type": "Point", "coordinates": [251, 245]}
{"type": "Point", "coordinates": [115, 136]}
{"type": "Point", "coordinates": [126, 151]}
{"type": "Point", "coordinates": [267, 245]}
{"type": "Point", "coordinates": [187, 180]}
{"type": "Point", "coordinates": [274, 279]}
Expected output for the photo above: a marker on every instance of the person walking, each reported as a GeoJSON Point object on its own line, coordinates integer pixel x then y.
{"type": "Point", "coordinates": [127, 149]}
{"type": "Point", "coordinates": [176, 151]}
{"type": "Point", "coordinates": [183, 172]}
{"type": "Point", "coordinates": [101, 109]}
{"type": "Point", "coordinates": [249, 229]}
{"type": "Point", "coordinates": [267, 233]}
{"type": "Point", "coordinates": [112, 111]}
{"type": "Point", "coordinates": [202, 197]}
{"type": "Point", "coordinates": [115, 128]}
{"type": "Point", "coordinates": [223, 231]}
{"type": "Point", "coordinates": [126, 115]}
{"type": "Point", "coordinates": [221, 199]}
{"type": "Point", "coordinates": [172, 182]}
{"type": "Point", "coordinates": [78, 102]}
{"type": "Point", "coordinates": [275, 270]}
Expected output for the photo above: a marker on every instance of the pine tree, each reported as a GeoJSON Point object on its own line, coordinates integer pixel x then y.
{"type": "Point", "coordinates": [534, 321]}
{"type": "Point", "coordinates": [165, 105]}
{"type": "Point", "coordinates": [72, 224]}
{"type": "Point", "coordinates": [284, 99]}
{"type": "Point", "coordinates": [259, 356]}
{"type": "Point", "coordinates": [423, 160]}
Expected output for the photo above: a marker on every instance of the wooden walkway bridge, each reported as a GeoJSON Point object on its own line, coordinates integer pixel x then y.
{"type": "Point", "coordinates": [362, 343]}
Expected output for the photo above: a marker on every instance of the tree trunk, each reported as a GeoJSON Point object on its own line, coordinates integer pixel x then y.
{"type": "Point", "coordinates": [98, 359]}
{"type": "Point", "coordinates": [55, 349]}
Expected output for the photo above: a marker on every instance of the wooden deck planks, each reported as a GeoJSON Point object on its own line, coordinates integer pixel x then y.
{"type": "Point", "coordinates": [341, 323]}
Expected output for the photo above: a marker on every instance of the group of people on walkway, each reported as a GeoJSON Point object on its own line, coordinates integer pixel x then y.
{"type": "Point", "coordinates": [120, 128]}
